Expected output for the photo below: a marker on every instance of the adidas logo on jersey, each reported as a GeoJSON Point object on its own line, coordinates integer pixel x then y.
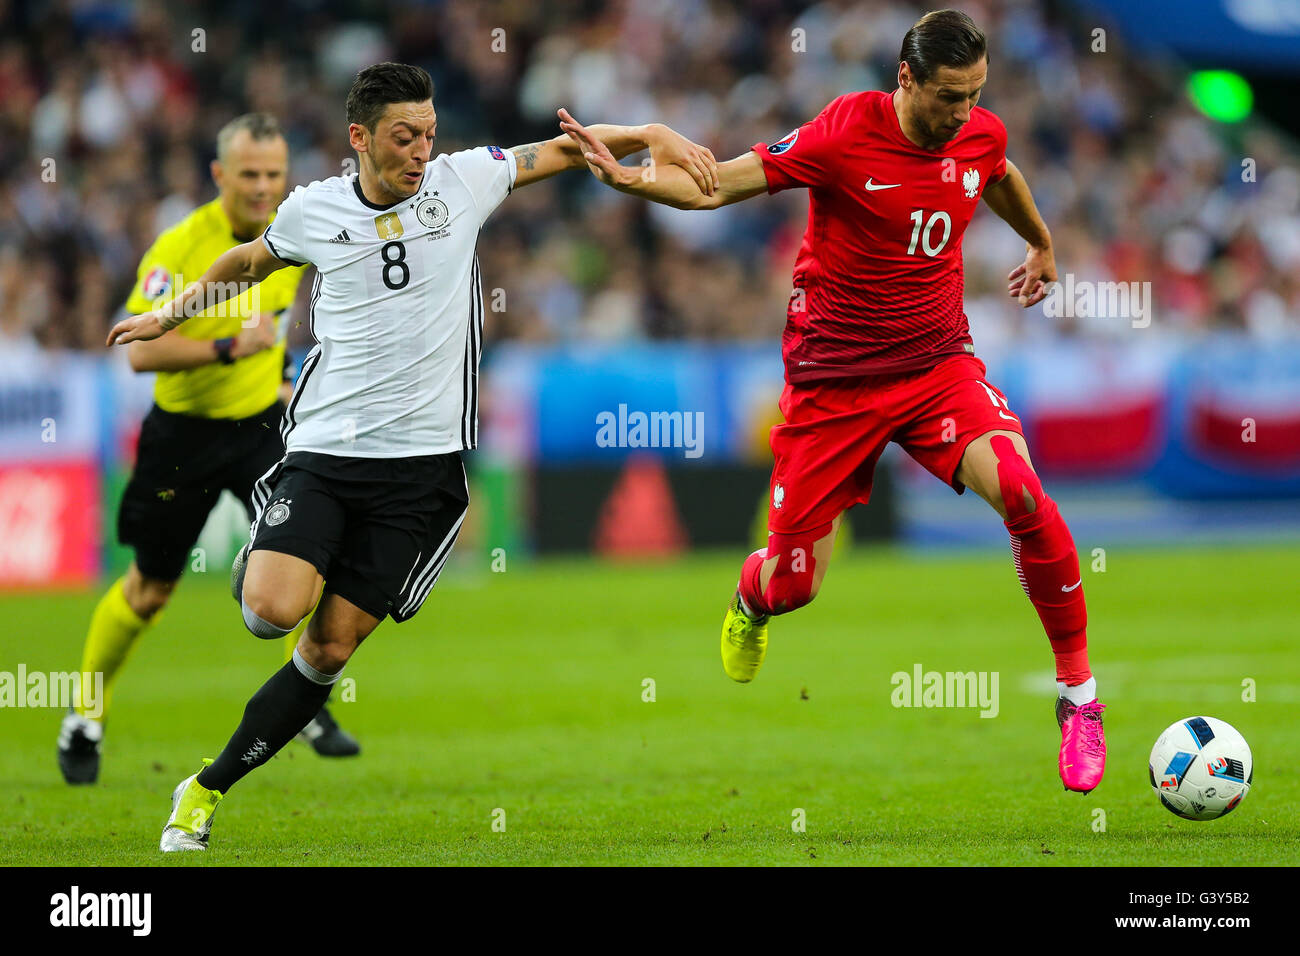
{"type": "Point", "coordinates": [342, 237]}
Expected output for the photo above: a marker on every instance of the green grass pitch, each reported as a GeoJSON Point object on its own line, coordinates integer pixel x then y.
{"type": "Point", "coordinates": [518, 697]}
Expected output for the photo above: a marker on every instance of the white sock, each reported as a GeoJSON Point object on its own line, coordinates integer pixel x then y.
{"type": "Point", "coordinates": [92, 728]}
{"type": "Point", "coordinates": [1079, 694]}
{"type": "Point", "coordinates": [745, 609]}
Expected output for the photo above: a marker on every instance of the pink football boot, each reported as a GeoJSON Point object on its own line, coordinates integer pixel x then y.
{"type": "Point", "coordinates": [1083, 745]}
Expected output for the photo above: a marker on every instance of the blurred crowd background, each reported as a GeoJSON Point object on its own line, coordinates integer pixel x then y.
{"type": "Point", "coordinates": [114, 103]}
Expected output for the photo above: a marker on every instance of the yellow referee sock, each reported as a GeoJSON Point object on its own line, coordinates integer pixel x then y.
{"type": "Point", "coordinates": [114, 628]}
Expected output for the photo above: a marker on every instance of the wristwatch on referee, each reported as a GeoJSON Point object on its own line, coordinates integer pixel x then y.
{"type": "Point", "coordinates": [223, 347]}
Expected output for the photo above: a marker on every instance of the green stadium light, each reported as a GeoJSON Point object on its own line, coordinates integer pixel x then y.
{"type": "Point", "coordinates": [1221, 95]}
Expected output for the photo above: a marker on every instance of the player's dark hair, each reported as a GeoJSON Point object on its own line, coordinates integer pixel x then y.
{"type": "Point", "coordinates": [942, 38]}
{"type": "Point", "coordinates": [377, 86]}
{"type": "Point", "coordinates": [259, 126]}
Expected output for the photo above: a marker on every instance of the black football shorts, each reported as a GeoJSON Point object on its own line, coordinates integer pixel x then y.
{"type": "Point", "coordinates": [379, 530]}
{"type": "Point", "coordinates": [183, 463]}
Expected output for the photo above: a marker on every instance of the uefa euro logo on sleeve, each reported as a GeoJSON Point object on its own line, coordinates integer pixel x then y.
{"type": "Point", "coordinates": [784, 143]}
{"type": "Point", "coordinates": [157, 283]}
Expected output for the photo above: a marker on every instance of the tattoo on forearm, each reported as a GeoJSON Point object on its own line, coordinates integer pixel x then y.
{"type": "Point", "coordinates": [526, 156]}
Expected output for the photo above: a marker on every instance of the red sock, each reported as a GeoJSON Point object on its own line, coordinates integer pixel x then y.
{"type": "Point", "coordinates": [1048, 566]}
{"type": "Point", "coordinates": [750, 592]}
{"type": "Point", "coordinates": [791, 584]}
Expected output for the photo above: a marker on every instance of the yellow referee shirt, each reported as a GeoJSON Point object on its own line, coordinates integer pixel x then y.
{"type": "Point", "coordinates": [180, 256]}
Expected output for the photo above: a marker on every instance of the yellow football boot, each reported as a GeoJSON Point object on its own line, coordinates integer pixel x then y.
{"type": "Point", "coordinates": [744, 643]}
{"type": "Point", "coordinates": [191, 818]}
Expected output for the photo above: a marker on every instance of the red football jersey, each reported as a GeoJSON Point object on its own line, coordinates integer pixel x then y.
{"type": "Point", "coordinates": [878, 279]}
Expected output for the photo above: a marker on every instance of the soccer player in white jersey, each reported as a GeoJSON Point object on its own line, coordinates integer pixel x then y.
{"type": "Point", "coordinates": [363, 510]}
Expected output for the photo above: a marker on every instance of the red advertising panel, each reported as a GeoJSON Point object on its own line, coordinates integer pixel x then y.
{"type": "Point", "coordinates": [49, 524]}
{"type": "Point", "coordinates": [1116, 436]}
{"type": "Point", "coordinates": [1249, 436]}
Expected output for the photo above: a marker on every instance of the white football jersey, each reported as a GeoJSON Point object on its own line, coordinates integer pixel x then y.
{"type": "Point", "coordinates": [396, 308]}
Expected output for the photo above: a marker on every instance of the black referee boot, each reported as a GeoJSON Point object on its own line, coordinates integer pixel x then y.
{"type": "Point", "coordinates": [327, 738]}
{"type": "Point", "coordinates": [79, 743]}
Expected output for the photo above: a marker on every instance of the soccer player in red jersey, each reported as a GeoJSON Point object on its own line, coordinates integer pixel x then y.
{"type": "Point", "coordinates": [877, 347]}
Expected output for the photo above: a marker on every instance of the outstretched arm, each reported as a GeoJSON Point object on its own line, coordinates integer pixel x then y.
{"type": "Point", "coordinates": [1010, 198]}
{"type": "Point", "coordinates": [737, 179]}
{"type": "Point", "coordinates": [175, 353]}
{"type": "Point", "coordinates": [537, 161]}
{"type": "Point", "coordinates": [229, 276]}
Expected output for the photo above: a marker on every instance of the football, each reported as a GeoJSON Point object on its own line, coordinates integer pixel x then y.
{"type": "Point", "coordinates": [1201, 768]}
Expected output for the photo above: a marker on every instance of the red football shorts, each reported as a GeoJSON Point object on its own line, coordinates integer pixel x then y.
{"type": "Point", "coordinates": [835, 430]}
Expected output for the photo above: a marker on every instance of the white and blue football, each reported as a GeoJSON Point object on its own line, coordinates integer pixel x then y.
{"type": "Point", "coordinates": [1201, 768]}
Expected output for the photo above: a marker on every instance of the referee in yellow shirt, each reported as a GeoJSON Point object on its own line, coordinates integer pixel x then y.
{"type": "Point", "coordinates": [215, 423]}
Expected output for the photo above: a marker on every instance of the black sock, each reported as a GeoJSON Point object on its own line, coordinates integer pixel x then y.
{"type": "Point", "coordinates": [274, 715]}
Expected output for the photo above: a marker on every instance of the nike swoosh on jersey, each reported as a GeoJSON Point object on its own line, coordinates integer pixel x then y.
{"type": "Point", "coordinates": [872, 187]}
{"type": "Point", "coordinates": [1072, 586]}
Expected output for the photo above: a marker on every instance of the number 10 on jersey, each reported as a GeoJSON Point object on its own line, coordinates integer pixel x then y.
{"type": "Point", "coordinates": [925, 234]}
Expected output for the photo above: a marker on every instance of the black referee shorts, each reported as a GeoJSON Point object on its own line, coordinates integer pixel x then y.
{"type": "Point", "coordinates": [379, 530]}
{"type": "Point", "coordinates": [183, 463]}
